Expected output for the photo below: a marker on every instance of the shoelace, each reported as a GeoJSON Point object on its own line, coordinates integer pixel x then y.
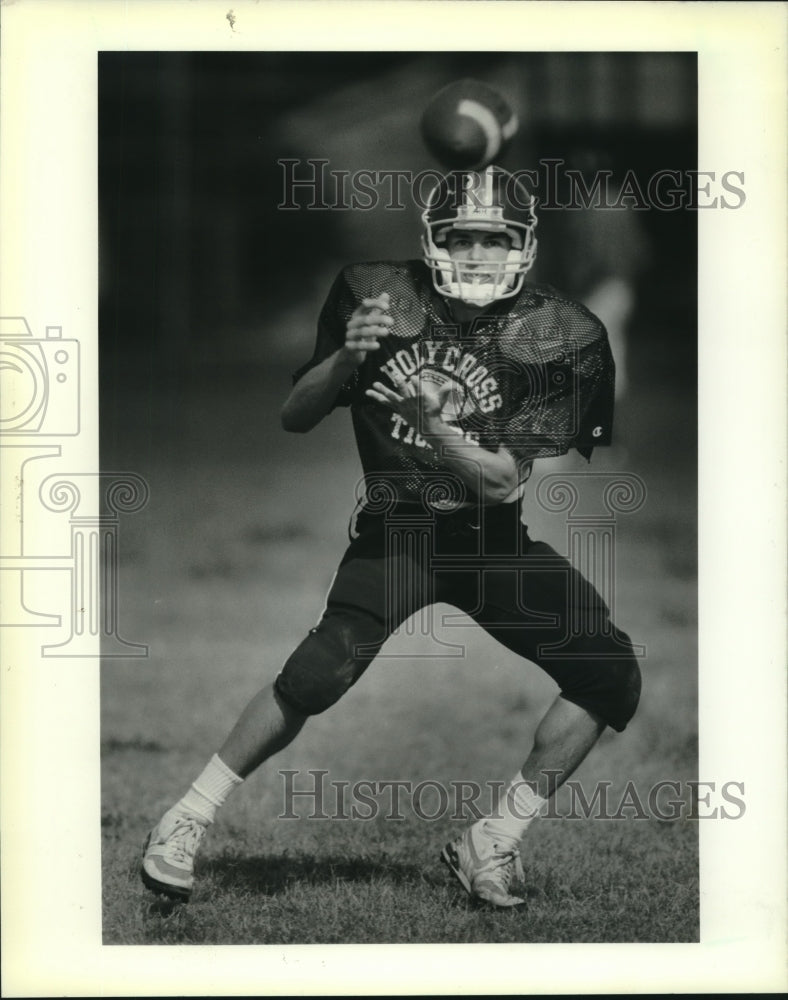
{"type": "Point", "coordinates": [185, 838]}
{"type": "Point", "coordinates": [507, 859]}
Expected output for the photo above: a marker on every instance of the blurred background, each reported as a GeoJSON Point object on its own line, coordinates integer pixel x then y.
{"type": "Point", "coordinates": [209, 292]}
{"type": "Point", "coordinates": [197, 262]}
{"type": "Point", "coordinates": [209, 296]}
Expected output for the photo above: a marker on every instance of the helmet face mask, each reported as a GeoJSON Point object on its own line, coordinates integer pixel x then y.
{"type": "Point", "coordinates": [488, 201]}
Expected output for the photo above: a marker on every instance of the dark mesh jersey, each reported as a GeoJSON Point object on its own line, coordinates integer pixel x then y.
{"type": "Point", "coordinates": [532, 373]}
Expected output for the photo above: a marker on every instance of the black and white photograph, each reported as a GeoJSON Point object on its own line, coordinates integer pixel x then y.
{"type": "Point", "coordinates": [372, 327]}
{"type": "Point", "coordinates": [413, 568]}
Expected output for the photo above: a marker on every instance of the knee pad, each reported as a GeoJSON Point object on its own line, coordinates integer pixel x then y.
{"type": "Point", "coordinates": [621, 688]}
{"type": "Point", "coordinates": [330, 660]}
{"type": "Point", "coordinates": [605, 681]}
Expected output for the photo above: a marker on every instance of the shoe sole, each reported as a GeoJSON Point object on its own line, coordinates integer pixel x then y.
{"type": "Point", "coordinates": [174, 892]}
{"type": "Point", "coordinates": [451, 859]}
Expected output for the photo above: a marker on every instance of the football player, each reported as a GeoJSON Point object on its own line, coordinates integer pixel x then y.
{"type": "Point", "coordinates": [458, 375]}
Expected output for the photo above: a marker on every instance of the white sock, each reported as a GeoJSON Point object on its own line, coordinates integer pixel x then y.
{"type": "Point", "coordinates": [209, 791]}
{"type": "Point", "coordinates": [518, 808]}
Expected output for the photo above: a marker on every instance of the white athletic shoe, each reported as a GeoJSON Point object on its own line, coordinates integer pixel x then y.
{"type": "Point", "coordinates": [485, 866]}
{"type": "Point", "coordinates": [168, 854]}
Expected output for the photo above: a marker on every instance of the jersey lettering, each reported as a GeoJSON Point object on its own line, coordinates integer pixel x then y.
{"type": "Point", "coordinates": [482, 371]}
{"type": "Point", "coordinates": [450, 360]}
{"type": "Point", "coordinates": [406, 363]}
{"type": "Point", "coordinates": [491, 403]}
{"type": "Point", "coordinates": [408, 436]}
{"type": "Point", "coordinates": [465, 367]}
{"type": "Point", "coordinates": [476, 376]}
{"type": "Point", "coordinates": [432, 349]}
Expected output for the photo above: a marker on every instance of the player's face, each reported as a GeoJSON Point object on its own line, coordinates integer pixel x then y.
{"type": "Point", "coordinates": [472, 251]}
{"type": "Point", "coordinates": [477, 247]}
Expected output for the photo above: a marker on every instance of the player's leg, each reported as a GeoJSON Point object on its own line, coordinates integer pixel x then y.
{"type": "Point", "coordinates": [563, 739]}
{"type": "Point", "coordinates": [330, 659]}
{"type": "Point", "coordinates": [358, 619]}
{"type": "Point", "coordinates": [600, 685]}
{"type": "Point", "coordinates": [266, 726]}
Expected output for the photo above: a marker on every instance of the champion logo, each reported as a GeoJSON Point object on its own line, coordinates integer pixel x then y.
{"type": "Point", "coordinates": [597, 432]}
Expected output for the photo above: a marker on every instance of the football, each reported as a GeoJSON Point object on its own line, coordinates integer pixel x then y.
{"type": "Point", "coordinates": [468, 125]}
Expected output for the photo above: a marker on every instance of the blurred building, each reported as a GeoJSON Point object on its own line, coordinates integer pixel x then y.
{"type": "Point", "coordinates": [198, 263]}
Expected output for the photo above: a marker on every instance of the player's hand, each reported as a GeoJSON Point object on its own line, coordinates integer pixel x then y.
{"type": "Point", "coordinates": [415, 400]}
{"type": "Point", "coordinates": [369, 322]}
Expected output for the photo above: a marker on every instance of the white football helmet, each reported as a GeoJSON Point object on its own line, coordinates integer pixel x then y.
{"type": "Point", "coordinates": [490, 200]}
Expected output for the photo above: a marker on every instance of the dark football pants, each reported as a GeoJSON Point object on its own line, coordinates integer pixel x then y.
{"type": "Point", "coordinates": [520, 591]}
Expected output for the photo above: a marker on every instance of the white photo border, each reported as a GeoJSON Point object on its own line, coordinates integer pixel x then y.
{"type": "Point", "coordinates": [51, 909]}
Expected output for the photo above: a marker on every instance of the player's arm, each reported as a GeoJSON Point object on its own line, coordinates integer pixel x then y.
{"type": "Point", "coordinates": [492, 475]}
{"type": "Point", "coordinates": [315, 393]}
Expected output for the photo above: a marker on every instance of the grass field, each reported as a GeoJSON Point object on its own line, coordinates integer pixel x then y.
{"type": "Point", "coordinates": [222, 574]}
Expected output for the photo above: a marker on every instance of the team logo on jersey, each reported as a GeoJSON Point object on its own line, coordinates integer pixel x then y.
{"type": "Point", "coordinates": [458, 402]}
{"type": "Point", "coordinates": [597, 432]}
{"type": "Point", "coordinates": [446, 363]}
